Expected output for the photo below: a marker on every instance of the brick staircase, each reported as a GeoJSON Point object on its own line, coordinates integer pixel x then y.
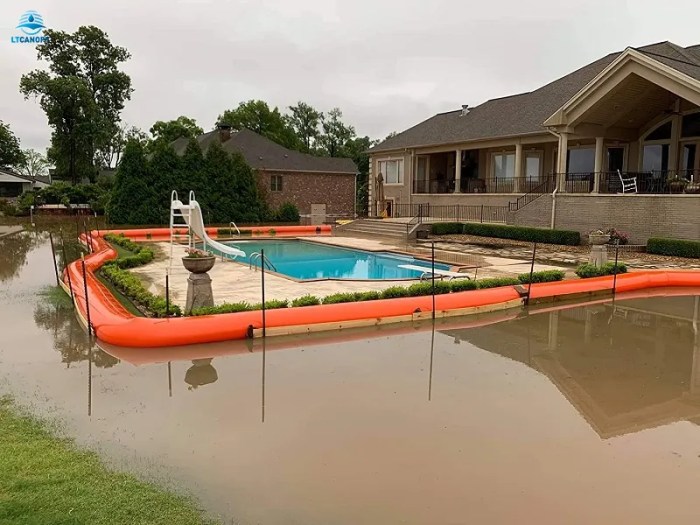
{"type": "Point", "coordinates": [387, 230]}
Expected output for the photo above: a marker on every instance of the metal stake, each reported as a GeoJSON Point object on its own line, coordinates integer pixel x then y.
{"type": "Point", "coordinates": [617, 248]}
{"type": "Point", "coordinates": [532, 269]}
{"type": "Point", "coordinates": [262, 277]}
{"type": "Point", "coordinates": [87, 301]}
{"type": "Point", "coordinates": [55, 264]}
{"type": "Point", "coordinates": [433, 274]}
{"type": "Point", "coordinates": [167, 294]}
{"type": "Point", "coordinates": [65, 268]}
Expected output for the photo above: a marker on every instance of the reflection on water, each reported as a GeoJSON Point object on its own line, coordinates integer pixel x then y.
{"type": "Point", "coordinates": [584, 415]}
{"type": "Point", "coordinates": [14, 250]}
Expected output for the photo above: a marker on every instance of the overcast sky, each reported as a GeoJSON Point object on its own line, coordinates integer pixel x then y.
{"type": "Point", "coordinates": [387, 64]}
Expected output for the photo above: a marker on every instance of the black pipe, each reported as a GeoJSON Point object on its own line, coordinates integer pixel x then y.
{"type": "Point", "coordinates": [53, 255]}
{"type": "Point", "coordinates": [433, 274]}
{"type": "Point", "coordinates": [167, 295]}
{"type": "Point", "coordinates": [262, 275]}
{"type": "Point", "coordinates": [87, 301]}
{"type": "Point", "coordinates": [617, 248]}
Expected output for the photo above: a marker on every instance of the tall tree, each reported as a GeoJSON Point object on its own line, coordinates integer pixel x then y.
{"type": "Point", "coordinates": [34, 164]}
{"type": "Point", "coordinates": [356, 149]}
{"type": "Point", "coordinates": [133, 198]}
{"type": "Point", "coordinates": [82, 94]}
{"type": "Point", "coordinates": [335, 133]}
{"type": "Point", "coordinates": [10, 153]}
{"type": "Point", "coordinates": [305, 121]}
{"type": "Point", "coordinates": [257, 116]}
{"type": "Point", "coordinates": [170, 130]}
{"type": "Point", "coordinates": [111, 154]}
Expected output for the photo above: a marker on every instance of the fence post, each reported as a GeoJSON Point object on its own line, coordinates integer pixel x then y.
{"type": "Point", "coordinates": [433, 274]}
{"type": "Point", "coordinates": [532, 270]}
{"type": "Point", "coordinates": [87, 301]}
{"type": "Point", "coordinates": [262, 277]}
{"type": "Point", "coordinates": [65, 268]}
{"type": "Point", "coordinates": [617, 249]}
{"type": "Point", "coordinates": [482, 214]}
{"type": "Point", "coordinates": [167, 294]}
{"type": "Point", "coordinates": [53, 255]}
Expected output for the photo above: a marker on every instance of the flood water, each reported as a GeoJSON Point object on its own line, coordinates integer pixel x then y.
{"type": "Point", "coordinates": [583, 415]}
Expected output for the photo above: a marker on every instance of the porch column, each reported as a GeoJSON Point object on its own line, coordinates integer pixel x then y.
{"type": "Point", "coordinates": [599, 154]}
{"type": "Point", "coordinates": [673, 152]}
{"type": "Point", "coordinates": [561, 159]}
{"type": "Point", "coordinates": [458, 171]}
{"type": "Point", "coordinates": [518, 171]}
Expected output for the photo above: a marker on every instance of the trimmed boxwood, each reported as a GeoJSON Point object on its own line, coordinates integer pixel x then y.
{"type": "Point", "coordinates": [306, 300]}
{"type": "Point", "coordinates": [587, 270]}
{"type": "Point", "coordinates": [674, 247]}
{"type": "Point", "coordinates": [131, 286]}
{"type": "Point", "coordinates": [224, 308]}
{"type": "Point", "coordinates": [394, 291]}
{"type": "Point", "coordinates": [462, 285]}
{"type": "Point", "coordinates": [142, 255]}
{"type": "Point", "coordinates": [495, 282]}
{"type": "Point", "coordinates": [426, 288]}
{"type": "Point", "coordinates": [446, 228]}
{"type": "Point", "coordinates": [545, 276]}
{"type": "Point", "coordinates": [342, 297]}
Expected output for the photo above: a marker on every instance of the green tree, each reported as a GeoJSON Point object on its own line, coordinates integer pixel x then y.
{"type": "Point", "coordinates": [305, 121]}
{"type": "Point", "coordinates": [34, 164]}
{"type": "Point", "coordinates": [257, 116]}
{"type": "Point", "coordinates": [170, 130]}
{"type": "Point", "coordinates": [10, 153]}
{"type": "Point", "coordinates": [335, 133]}
{"type": "Point", "coordinates": [356, 149]}
{"type": "Point", "coordinates": [132, 197]}
{"type": "Point", "coordinates": [82, 94]}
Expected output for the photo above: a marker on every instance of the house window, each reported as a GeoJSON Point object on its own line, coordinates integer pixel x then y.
{"type": "Point", "coordinates": [504, 165]}
{"type": "Point", "coordinates": [276, 183]}
{"type": "Point", "coordinates": [690, 126]}
{"type": "Point", "coordinates": [655, 157]}
{"type": "Point", "coordinates": [391, 170]}
{"type": "Point", "coordinates": [533, 165]}
{"type": "Point", "coordinates": [581, 160]}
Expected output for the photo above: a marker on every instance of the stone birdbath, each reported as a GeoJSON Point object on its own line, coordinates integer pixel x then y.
{"type": "Point", "coordinates": [598, 237]}
{"type": "Point", "coordinates": [599, 253]}
{"type": "Point", "coordinates": [199, 292]}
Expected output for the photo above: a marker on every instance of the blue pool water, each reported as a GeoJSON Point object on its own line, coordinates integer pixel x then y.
{"type": "Point", "coordinates": [309, 260]}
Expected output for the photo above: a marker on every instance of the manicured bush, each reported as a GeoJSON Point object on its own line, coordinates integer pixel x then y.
{"type": "Point", "coordinates": [306, 300]}
{"type": "Point", "coordinates": [674, 247]}
{"type": "Point", "coordinates": [394, 291]}
{"type": "Point", "coordinates": [446, 228]}
{"type": "Point", "coordinates": [587, 270]}
{"type": "Point", "coordinates": [367, 296]}
{"type": "Point", "coordinates": [142, 255]}
{"type": "Point", "coordinates": [495, 282]}
{"type": "Point", "coordinates": [130, 285]}
{"type": "Point", "coordinates": [272, 304]}
{"type": "Point", "coordinates": [545, 276]}
{"type": "Point", "coordinates": [287, 212]}
{"type": "Point", "coordinates": [224, 308]}
{"type": "Point", "coordinates": [522, 233]}
{"type": "Point", "coordinates": [426, 288]}
{"type": "Point", "coordinates": [461, 285]}
{"type": "Point", "coordinates": [342, 297]}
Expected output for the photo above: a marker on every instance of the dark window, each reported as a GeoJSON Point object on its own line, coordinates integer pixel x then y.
{"type": "Point", "coordinates": [276, 183]}
{"type": "Point", "coordinates": [691, 125]}
{"type": "Point", "coordinates": [616, 157]}
{"type": "Point", "coordinates": [663, 132]}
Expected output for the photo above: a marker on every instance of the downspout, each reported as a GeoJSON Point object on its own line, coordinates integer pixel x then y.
{"type": "Point", "coordinates": [552, 221]}
{"type": "Point", "coordinates": [554, 208]}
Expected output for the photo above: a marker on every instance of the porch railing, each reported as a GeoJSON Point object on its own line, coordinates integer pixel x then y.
{"type": "Point", "coordinates": [473, 185]}
{"type": "Point", "coordinates": [648, 182]}
{"type": "Point", "coordinates": [453, 212]}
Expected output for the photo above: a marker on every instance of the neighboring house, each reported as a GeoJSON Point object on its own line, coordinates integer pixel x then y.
{"type": "Point", "coordinates": [636, 111]}
{"type": "Point", "coordinates": [316, 185]}
{"type": "Point", "coordinates": [13, 184]}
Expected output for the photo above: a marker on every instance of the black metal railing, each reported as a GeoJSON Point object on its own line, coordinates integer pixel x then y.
{"type": "Point", "coordinates": [546, 186]}
{"type": "Point", "coordinates": [474, 185]}
{"type": "Point", "coordinates": [453, 212]}
{"type": "Point", "coordinates": [657, 182]}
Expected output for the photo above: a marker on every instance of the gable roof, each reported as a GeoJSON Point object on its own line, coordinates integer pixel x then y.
{"type": "Point", "coordinates": [264, 154]}
{"type": "Point", "coordinates": [9, 174]}
{"type": "Point", "coordinates": [525, 113]}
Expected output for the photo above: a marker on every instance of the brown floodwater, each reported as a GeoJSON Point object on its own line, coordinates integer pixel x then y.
{"type": "Point", "coordinates": [582, 415]}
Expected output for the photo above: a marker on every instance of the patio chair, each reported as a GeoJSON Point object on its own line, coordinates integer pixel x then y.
{"type": "Point", "coordinates": [629, 184]}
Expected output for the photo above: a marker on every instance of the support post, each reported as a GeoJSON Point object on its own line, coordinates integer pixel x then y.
{"type": "Point", "coordinates": [617, 249]}
{"type": "Point", "coordinates": [562, 154]}
{"type": "Point", "coordinates": [167, 294]}
{"type": "Point", "coordinates": [458, 171]}
{"type": "Point", "coordinates": [599, 159]}
{"type": "Point", "coordinates": [518, 170]}
{"type": "Point", "coordinates": [532, 270]}
{"type": "Point", "coordinates": [432, 258]}
{"type": "Point", "coordinates": [53, 255]}
{"type": "Point", "coordinates": [262, 279]}
{"type": "Point", "coordinates": [87, 301]}
{"type": "Point", "coordinates": [65, 268]}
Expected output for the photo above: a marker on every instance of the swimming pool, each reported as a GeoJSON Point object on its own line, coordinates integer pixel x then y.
{"type": "Point", "coordinates": [309, 260]}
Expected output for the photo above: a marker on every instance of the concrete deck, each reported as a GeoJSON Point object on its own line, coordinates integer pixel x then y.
{"type": "Point", "coordinates": [234, 282]}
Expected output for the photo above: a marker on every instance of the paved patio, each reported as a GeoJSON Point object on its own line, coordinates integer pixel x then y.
{"type": "Point", "coordinates": [233, 282]}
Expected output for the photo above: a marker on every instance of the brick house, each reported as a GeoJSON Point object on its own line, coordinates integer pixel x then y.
{"type": "Point", "coordinates": [318, 186]}
{"type": "Point", "coordinates": [614, 143]}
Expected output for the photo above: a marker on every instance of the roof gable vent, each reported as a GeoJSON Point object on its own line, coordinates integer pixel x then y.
{"type": "Point", "coordinates": [465, 110]}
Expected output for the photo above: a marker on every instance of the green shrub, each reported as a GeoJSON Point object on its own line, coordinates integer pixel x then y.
{"type": "Point", "coordinates": [342, 297]}
{"type": "Point", "coordinates": [367, 296]}
{"type": "Point", "coordinates": [495, 282]}
{"type": "Point", "coordinates": [522, 233]}
{"type": "Point", "coordinates": [426, 288]}
{"type": "Point", "coordinates": [273, 304]}
{"type": "Point", "coordinates": [142, 255]}
{"type": "Point", "coordinates": [394, 292]}
{"type": "Point", "coordinates": [287, 212]}
{"type": "Point", "coordinates": [461, 285]}
{"type": "Point", "coordinates": [130, 285]}
{"type": "Point", "coordinates": [8, 208]}
{"type": "Point", "coordinates": [306, 300]}
{"type": "Point", "coordinates": [446, 228]}
{"type": "Point", "coordinates": [587, 270]}
{"type": "Point", "coordinates": [674, 247]}
{"type": "Point", "coordinates": [545, 276]}
{"type": "Point", "coordinates": [224, 308]}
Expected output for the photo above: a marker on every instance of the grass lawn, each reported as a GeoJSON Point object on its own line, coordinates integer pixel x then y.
{"type": "Point", "coordinates": [45, 481]}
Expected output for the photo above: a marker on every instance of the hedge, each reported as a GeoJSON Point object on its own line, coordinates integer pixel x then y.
{"type": "Point", "coordinates": [495, 282]}
{"type": "Point", "coordinates": [674, 247]}
{"type": "Point", "coordinates": [502, 231]}
{"type": "Point", "coordinates": [142, 255]}
{"type": "Point", "coordinates": [306, 300]}
{"type": "Point", "coordinates": [131, 286]}
{"type": "Point", "coordinates": [587, 270]}
{"type": "Point", "coordinates": [545, 276]}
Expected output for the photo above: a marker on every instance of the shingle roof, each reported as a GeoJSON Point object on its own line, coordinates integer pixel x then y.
{"type": "Point", "coordinates": [41, 179]}
{"type": "Point", "coordinates": [525, 113]}
{"type": "Point", "coordinates": [262, 153]}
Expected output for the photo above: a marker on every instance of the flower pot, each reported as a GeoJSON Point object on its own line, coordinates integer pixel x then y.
{"type": "Point", "coordinates": [198, 264]}
{"type": "Point", "coordinates": [598, 238]}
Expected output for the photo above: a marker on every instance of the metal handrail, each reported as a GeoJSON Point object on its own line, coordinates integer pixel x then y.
{"type": "Point", "coordinates": [257, 256]}
{"type": "Point", "coordinates": [416, 219]}
{"type": "Point", "coordinates": [533, 194]}
{"type": "Point", "coordinates": [234, 225]}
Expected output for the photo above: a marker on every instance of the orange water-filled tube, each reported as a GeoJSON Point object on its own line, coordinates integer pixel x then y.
{"type": "Point", "coordinates": [113, 324]}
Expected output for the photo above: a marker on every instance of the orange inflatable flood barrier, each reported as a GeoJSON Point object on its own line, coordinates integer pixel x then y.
{"type": "Point", "coordinates": [113, 324]}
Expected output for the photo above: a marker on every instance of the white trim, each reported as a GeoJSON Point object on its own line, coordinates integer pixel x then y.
{"type": "Point", "coordinates": [402, 173]}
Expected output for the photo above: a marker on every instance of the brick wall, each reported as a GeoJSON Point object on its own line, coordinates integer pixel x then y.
{"type": "Point", "coordinates": [336, 191]}
{"type": "Point", "coordinates": [642, 216]}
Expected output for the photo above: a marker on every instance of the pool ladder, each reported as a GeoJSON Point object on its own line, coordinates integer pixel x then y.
{"type": "Point", "coordinates": [232, 225]}
{"type": "Point", "coordinates": [256, 257]}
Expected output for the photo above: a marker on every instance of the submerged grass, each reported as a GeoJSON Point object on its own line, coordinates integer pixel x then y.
{"type": "Point", "coordinates": [56, 296]}
{"type": "Point", "coordinates": [46, 480]}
